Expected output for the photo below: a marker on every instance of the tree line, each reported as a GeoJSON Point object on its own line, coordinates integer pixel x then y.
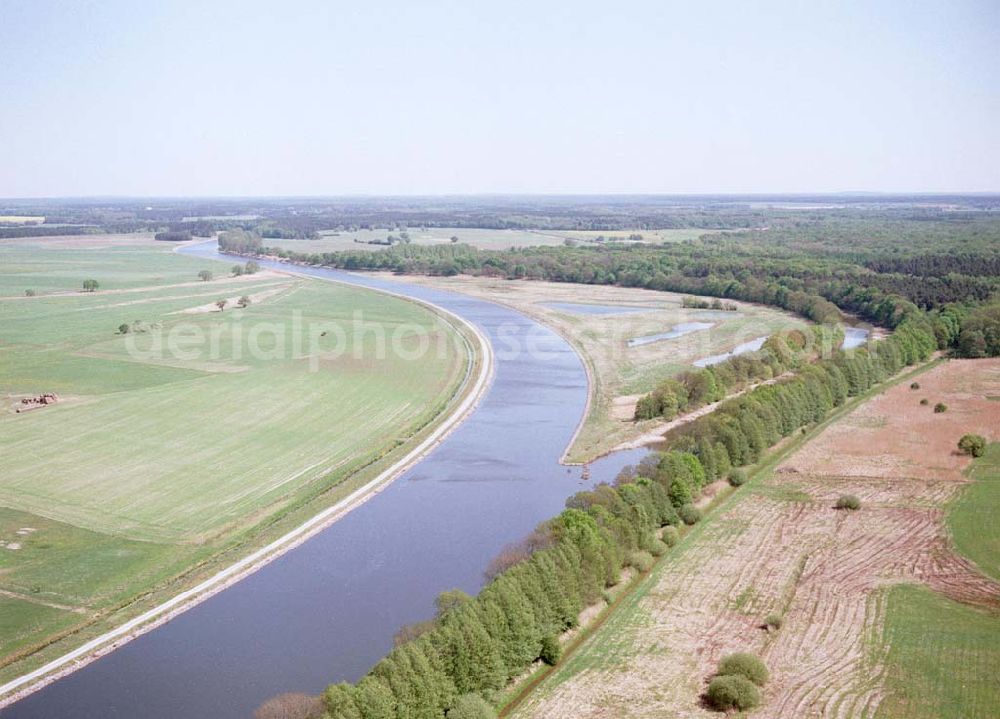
{"type": "Point", "coordinates": [816, 288]}
{"type": "Point", "coordinates": [695, 388]}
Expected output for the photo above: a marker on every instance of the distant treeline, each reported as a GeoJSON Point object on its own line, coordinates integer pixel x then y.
{"type": "Point", "coordinates": [174, 236]}
{"type": "Point", "coordinates": [46, 231]}
{"type": "Point", "coordinates": [475, 646]}
{"type": "Point", "coordinates": [817, 289]}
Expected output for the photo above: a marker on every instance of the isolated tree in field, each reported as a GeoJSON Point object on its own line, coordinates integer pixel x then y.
{"type": "Point", "coordinates": [251, 268]}
{"type": "Point", "coordinates": [746, 665]}
{"type": "Point", "coordinates": [29, 293]}
{"type": "Point", "coordinates": [454, 238]}
{"type": "Point", "coordinates": [940, 408]}
{"type": "Point", "coordinates": [221, 304]}
{"type": "Point", "coordinates": [915, 385]}
{"type": "Point", "coordinates": [204, 275]}
{"type": "Point", "coordinates": [123, 328]}
{"type": "Point", "coordinates": [847, 501]}
{"type": "Point", "coordinates": [237, 270]}
{"type": "Point", "coordinates": [90, 285]}
{"type": "Point", "coordinates": [243, 301]}
{"type": "Point", "coordinates": [732, 692]}
{"type": "Point", "coordinates": [973, 445]}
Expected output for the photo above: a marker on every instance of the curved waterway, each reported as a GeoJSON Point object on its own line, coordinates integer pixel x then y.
{"type": "Point", "coordinates": [326, 610]}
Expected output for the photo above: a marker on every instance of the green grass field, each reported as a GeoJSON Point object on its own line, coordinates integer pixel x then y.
{"type": "Point", "coordinates": [158, 459]}
{"type": "Point", "coordinates": [943, 658]}
{"type": "Point", "coordinates": [973, 517]}
{"type": "Point", "coordinates": [116, 261]}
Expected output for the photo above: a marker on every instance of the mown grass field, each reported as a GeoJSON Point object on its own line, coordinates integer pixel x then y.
{"type": "Point", "coordinates": [973, 519]}
{"type": "Point", "coordinates": [943, 658]}
{"type": "Point", "coordinates": [156, 460]}
{"type": "Point", "coordinates": [58, 264]}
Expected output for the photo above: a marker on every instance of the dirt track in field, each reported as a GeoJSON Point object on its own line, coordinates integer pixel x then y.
{"type": "Point", "coordinates": [783, 549]}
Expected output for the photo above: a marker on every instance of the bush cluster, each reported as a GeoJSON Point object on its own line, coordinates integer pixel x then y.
{"type": "Point", "coordinates": [973, 445]}
{"type": "Point", "coordinates": [847, 501]}
{"type": "Point", "coordinates": [734, 685]}
{"type": "Point", "coordinates": [732, 692]}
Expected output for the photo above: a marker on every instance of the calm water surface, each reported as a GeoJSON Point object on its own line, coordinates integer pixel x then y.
{"type": "Point", "coordinates": [678, 330]}
{"type": "Point", "coordinates": [585, 309]}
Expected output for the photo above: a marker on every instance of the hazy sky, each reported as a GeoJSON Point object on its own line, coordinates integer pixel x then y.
{"type": "Point", "coordinates": [411, 97]}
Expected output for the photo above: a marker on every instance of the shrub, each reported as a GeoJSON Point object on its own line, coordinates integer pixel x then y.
{"type": "Point", "coordinates": [689, 514]}
{"type": "Point", "coordinates": [290, 706]}
{"type": "Point", "coordinates": [732, 692]}
{"type": "Point", "coordinates": [668, 515]}
{"type": "Point", "coordinates": [847, 501]}
{"type": "Point", "coordinates": [745, 665]}
{"type": "Point", "coordinates": [972, 444]}
{"type": "Point", "coordinates": [642, 561]}
{"type": "Point", "coordinates": [123, 328]}
{"type": "Point", "coordinates": [940, 408]}
{"type": "Point", "coordinates": [471, 706]}
{"type": "Point", "coordinates": [924, 401]}
{"type": "Point", "coordinates": [658, 548]}
{"type": "Point", "coordinates": [29, 293]}
{"type": "Point", "coordinates": [204, 275]}
{"type": "Point", "coordinates": [551, 650]}
{"type": "Point", "coordinates": [772, 621]}
{"type": "Point", "coordinates": [737, 477]}
{"type": "Point", "coordinates": [915, 385]}
{"type": "Point", "coordinates": [670, 536]}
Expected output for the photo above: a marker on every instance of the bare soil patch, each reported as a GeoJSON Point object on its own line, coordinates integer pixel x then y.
{"type": "Point", "coordinates": [893, 435]}
{"type": "Point", "coordinates": [231, 302]}
{"type": "Point", "coordinates": [782, 548]}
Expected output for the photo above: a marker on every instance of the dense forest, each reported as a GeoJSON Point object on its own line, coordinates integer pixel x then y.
{"type": "Point", "coordinates": [883, 282]}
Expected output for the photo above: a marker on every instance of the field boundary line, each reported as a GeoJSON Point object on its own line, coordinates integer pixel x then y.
{"type": "Point", "coordinates": [162, 613]}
